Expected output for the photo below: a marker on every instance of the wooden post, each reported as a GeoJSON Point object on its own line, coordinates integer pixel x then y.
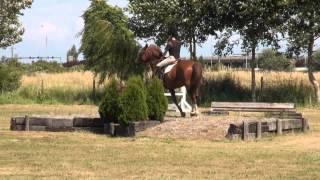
{"type": "Point", "coordinates": [42, 87]}
{"type": "Point", "coordinates": [245, 132]}
{"type": "Point", "coordinates": [259, 129]}
{"type": "Point", "coordinates": [304, 125]}
{"type": "Point", "coordinates": [261, 88]}
{"type": "Point", "coordinates": [94, 89]}
{"type": "Point", "coordinates": [112, 129]}
{"type": "Point", "coordinates": [279, 127]}
{"type": "Point", "coordinates": [27, 127]}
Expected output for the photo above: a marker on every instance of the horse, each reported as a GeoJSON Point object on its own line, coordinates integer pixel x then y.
{"type": "Point", "coordinates": [186, 73]}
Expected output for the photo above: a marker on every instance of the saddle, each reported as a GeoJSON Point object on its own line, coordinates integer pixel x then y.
{"type": "Point", "coordinates": [161, 71]}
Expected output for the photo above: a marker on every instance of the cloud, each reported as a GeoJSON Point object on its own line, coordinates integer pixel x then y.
{"type": "Point", "coordinates": [48, 27]}
{"type": "Point", "coordinates": [52, 30]}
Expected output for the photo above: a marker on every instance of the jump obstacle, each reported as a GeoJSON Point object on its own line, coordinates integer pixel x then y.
{"type": "Point", "coordinates": [185, 106]}
{"type": "Point", "coordinates": [280, 118]}
{"type": "Point", "coordinates": [70, 124]}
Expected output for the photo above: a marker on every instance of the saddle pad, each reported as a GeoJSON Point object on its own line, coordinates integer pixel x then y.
{"type": "Point", "coordinates": [168, 68]}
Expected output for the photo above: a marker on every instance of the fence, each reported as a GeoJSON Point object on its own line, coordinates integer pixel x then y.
{"type": "Point", "coordinates": [185, 106]}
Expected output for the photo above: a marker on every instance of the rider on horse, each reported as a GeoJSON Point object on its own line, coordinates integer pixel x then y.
{"type": "Point", "coordinates": [173, 47]}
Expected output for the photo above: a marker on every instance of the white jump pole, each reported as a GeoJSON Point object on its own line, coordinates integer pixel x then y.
{"type": "Point", "coordinates": [185, 106]}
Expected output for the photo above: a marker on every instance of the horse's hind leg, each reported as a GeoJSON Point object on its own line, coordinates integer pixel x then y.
{"type": "Point", "coordinates": [193, 95]}
{"type": "Point", "coordinates": [174, 99]}
{"type": "Point", "coordinates": [196, 82]}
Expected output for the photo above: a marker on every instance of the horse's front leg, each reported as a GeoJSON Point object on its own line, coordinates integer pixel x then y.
{"type": "Point", "coordinates": [174, 99]}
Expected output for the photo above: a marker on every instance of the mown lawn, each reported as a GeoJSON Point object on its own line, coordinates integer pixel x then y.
{"type": "Point", "coordinates": [86, 155]}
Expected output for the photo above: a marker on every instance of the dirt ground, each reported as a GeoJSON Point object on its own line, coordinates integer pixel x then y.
{"type": "Point", "coordinates": [204, 126]}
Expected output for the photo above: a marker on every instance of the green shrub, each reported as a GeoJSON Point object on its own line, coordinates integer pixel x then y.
{"type": "Point", "coordinates": [156, 101]}
{"type": "Point", "coordinates": [109, 108]}
{"type": "Point", "coordinates": [9, 78]}
{"type": "Point", "coordinates": [44, 66]}
{"type": "Point", "coordinates": [316, 57]}
{"type": "Point", "coordinates": [218, 67]}
{"type": "Point", "coordinates": [224, 87]}
{"type": "Point", "coordinates": [269, 60]}
{"type": "Point", "coordinates": [133, 102]}
{"type": "Point", "coordinates": [227, 87]}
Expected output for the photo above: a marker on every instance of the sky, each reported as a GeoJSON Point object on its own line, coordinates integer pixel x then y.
{"type": "Point", "coordinates": [52, 27]}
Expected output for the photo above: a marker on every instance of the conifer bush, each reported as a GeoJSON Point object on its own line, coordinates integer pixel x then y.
{"type": "Point", "coordinates": [109, 108]}
{"type": "Point", "coordinates": [9, 78]}
{"type": "Point", "coordinates": [133, 102]}
{"type": "Point", "coordinates": [157, 102]}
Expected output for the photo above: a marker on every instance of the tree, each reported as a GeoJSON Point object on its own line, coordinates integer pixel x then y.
{"type": "Point", "coordinates": [256, 21]}
{"type": "Point", "coordinates": [107, 44]}
{"type": "Point", "coordinates": [304, 29]}
{"type": "Point", "coordinates": [73, 52]}
{"type": "Point", "coordinates": [133, 102]}
{"type": "Point", "coordinates": [10, 27]}
{"type": "Point", "coordinates": [156, 101]}
{"type": "Point", "coordinates": [10, 76]}
{"type": "Point", "coordinates": [157, 19]}
{"type": "Point", "coordinates": [269, 59]}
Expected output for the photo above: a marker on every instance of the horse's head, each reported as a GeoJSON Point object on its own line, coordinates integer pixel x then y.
{"type": "Point", "coordinates": [149, 54]}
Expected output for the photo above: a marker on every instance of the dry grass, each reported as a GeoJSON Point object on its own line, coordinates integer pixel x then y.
{"type": "Point", "coordinates": [74, 80]}
{"type": "Point", "coordinates": [83, 155]}
{"type": "Point", "coordinates": [272, 77]}
{"type": "Point", "coordinates": [80, 80]}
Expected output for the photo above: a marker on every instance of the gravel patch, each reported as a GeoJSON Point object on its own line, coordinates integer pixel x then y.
{"type": "Point", "coordinates": [204, 126]}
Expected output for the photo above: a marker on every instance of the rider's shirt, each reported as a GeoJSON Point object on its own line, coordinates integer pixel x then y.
{"type": "Point", "coordinates": [173, 46]}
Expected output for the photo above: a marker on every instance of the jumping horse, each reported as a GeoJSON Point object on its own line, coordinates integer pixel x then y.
{"type": "Point", "coordinates": [186, 73]}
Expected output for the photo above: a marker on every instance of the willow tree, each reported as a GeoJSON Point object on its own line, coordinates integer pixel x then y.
{"type": "Point", "coordinates": [157, 19]}
{"type": "Point", "coordinates": [107, 44]}
{"type": "Point", "coordinates": [304, 29]}
{"type": "Point", "coordinates": [11, 30]}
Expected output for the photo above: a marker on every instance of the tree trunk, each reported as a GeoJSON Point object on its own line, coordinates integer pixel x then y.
{"type": "Point", "coordinates": [190, 48]}
{"type": "Point", "coordinates": [194, 53]}
{"type": "Point", "coordinates": [311, 76]}
{"type": "Point", "coordinates": [253, 74]}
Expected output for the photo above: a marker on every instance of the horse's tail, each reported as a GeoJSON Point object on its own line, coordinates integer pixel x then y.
{"type": "Point", "coordinates": [197, 76]}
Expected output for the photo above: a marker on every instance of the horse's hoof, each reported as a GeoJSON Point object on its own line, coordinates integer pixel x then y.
{"type": "Point", "coordinates": [193, 114]}
{"type": "Point", "coordinates": [183, 114]}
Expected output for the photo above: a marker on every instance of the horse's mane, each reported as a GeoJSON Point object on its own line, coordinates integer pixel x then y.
{"type": "Point", "coordinates": [153, 52]}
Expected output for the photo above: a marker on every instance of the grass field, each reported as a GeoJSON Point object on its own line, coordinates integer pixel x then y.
{"type": "Point", "coordinates": [86, 155]}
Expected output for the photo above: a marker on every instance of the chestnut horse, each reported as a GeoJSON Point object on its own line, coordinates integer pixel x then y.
{"type": "Point", "coordinates": [186, 73]}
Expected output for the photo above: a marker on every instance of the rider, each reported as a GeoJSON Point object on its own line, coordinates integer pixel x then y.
{"type": "Point", "coordinates": [173, 47]}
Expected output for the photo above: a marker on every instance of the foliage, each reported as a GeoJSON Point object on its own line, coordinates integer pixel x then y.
{"type": "Point", "coordinates": [277, 87]}
{"type": "Point", "coordinates": [223, 87]}
{"type": "Point", "coordinates": [157, 102]}
{"type": "Point", "coordinates": [316, 57]}
{"type": "Point", "coordinates": [158, 19]}
{"type": "Point", "coordinates": [270, 60]}
{"type": "Point", "coordinates": [109, 109]}
{"type": "Point", "coordinates": [10, 27]}
{"type": "Point", "coordinates": [73, 53]}
{"type": "Point", "coordinates": [133, 102]}
{"type": "Point", "coordinates": [107, 44]}
{"type": "Point", "coordinates": [256, 22]}
{"type": "Point", "coordinates": [44, 66]}
{"type": "Point", "coordinates": [218, 67]}
{"type": "Point", "coordinates": [9, 78]}
{"type": "Point", "coordinates": [303, 28]}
